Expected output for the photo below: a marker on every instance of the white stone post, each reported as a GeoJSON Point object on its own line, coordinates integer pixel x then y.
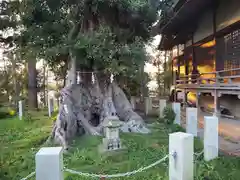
{"type": "Point", "coordinates": [210, 137]}
{"type": "Point", "coordinates": [20, 110]}
{"type": "Point", "coordinates": [148, 105]}
{"type": "Point", "coordinates": [177, 109]}
{"type": "Point", "coordinates": [49, 163]}
{"type": "Point", "coordinates": [192, 120]}
{"type": "Point", "coordinates": [181, 151]}
{"type": "Point", "coordinates": [50, 107]}
{"type": "Point", "coordinates": [162, 105]}
{"type": "Point", "coordinates": [133, 102]}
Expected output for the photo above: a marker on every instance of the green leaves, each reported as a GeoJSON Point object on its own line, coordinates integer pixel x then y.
{"type": "Point", "coordinates": [101, 34]}
{"type": "Point", "coordinates": [107, 53]}
{"type": "Point", "coordinates": [168, 115]}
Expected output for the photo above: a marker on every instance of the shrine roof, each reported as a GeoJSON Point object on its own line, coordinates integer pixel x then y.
{"type": "Point", "coordinates": [179, 28]}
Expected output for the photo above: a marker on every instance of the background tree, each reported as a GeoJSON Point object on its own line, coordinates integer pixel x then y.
{"type": "Point", "coordinates": [164, 72]}
{"type": "Point", "coordinates": [11, 39]}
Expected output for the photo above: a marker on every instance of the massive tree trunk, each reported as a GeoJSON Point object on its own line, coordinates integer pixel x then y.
{"type": "Point", "coordinates": [84, 106]}
{"type": "Point", "coordinates": [32, 84]}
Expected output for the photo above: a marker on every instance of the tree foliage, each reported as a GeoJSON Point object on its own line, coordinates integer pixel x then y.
{"type": "Point", "coordinates": [105, 35]}
{"type": "Point", "coordinates": [102, 34]}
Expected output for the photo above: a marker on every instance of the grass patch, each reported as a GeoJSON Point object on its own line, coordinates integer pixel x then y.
{"type": "Point", "coordinates": [20, 140]}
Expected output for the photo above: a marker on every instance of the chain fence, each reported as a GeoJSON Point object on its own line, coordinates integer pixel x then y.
{"type": "Point", "coordinates": [196, 160]}
{"type": "Point", "coordinates": [126, 174]}
{"type": "Point", "coordinates": [29, 176]}
{"type": "Point", "coordinates": [198, 154]}
{"type": "Point", "coordinates": [119, 174]}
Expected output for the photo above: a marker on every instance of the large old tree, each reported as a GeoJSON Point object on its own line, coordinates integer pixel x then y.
{"type": "Point", "coordinates": [100, 39]}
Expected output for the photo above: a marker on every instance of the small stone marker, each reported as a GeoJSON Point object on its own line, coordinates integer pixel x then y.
{"type": "Point", "coordinates": [181, 156]}
{"type": "Point", "coordinates": [133, 102]}
{"type": "Point", "coordinates": [162, 105]}
{"type": "Point", "coordinates": [50, 107]}
{"type": "Point", "coordinates": [20, 110]}
{"type": "Point", "coordinates": [210, 137]}
{"type": "Point", "coordinates": [49, 163]}
{"type": "Point", "coordinates": [112, 141]}
{"type": "Point", "coordinates": [148, 105]}
{"type": "Point", "coordinates": [177, 109]}
{"type": "Point", "coordinates": [192, 120]}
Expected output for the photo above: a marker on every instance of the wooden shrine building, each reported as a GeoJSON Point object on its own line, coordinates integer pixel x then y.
{"type": "Point", "coordinates": [203, 37]}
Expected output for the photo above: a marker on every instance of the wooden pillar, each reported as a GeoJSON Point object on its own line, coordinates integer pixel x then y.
{"type": "Point", "coordinates": [195, 72]}
{"type": "Point", "coordinates": [178, 71]}
{"type": "Point", "coordinates": [219, 46]}
{"type": "Point", "coordinates": [216, 103]}
{"type": "Point", "coordinates": [214, 32]}
{"type": "Point", "coordinates": [175, 88]}
{"type": "Point", "coordinates": [194, 63]}
{"type": "Point", "coordinates": [186, 76]}
{"type": "Point", "coordinates": [186, 62]}
{"type": "Point", "coordinates": [219, 63]}
{"type": "Point", "coordinates": [173, 75]}
{"type": "Point", "coordinates": [197, 99]}
{"type": "Point", "coordinates": [216, 99]}
{"type": "Point", "coordinates": [178, 62]}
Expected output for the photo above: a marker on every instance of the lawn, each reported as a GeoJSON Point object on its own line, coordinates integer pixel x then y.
{"type": "Point", "coordinates": [20, 140]}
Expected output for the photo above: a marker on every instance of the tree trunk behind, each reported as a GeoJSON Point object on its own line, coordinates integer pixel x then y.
{"type": "Point", "coordinates": [32, 84]}
{"type": "Point", "coordinates": [15, 83]}
{"type": "Point", "coordinates": [44, 84]}
{"type": "Point", "coordinates": [142, 83]}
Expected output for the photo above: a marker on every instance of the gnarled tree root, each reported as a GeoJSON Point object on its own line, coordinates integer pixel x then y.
{"type": "Point", "coordinates": [80, 105]}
